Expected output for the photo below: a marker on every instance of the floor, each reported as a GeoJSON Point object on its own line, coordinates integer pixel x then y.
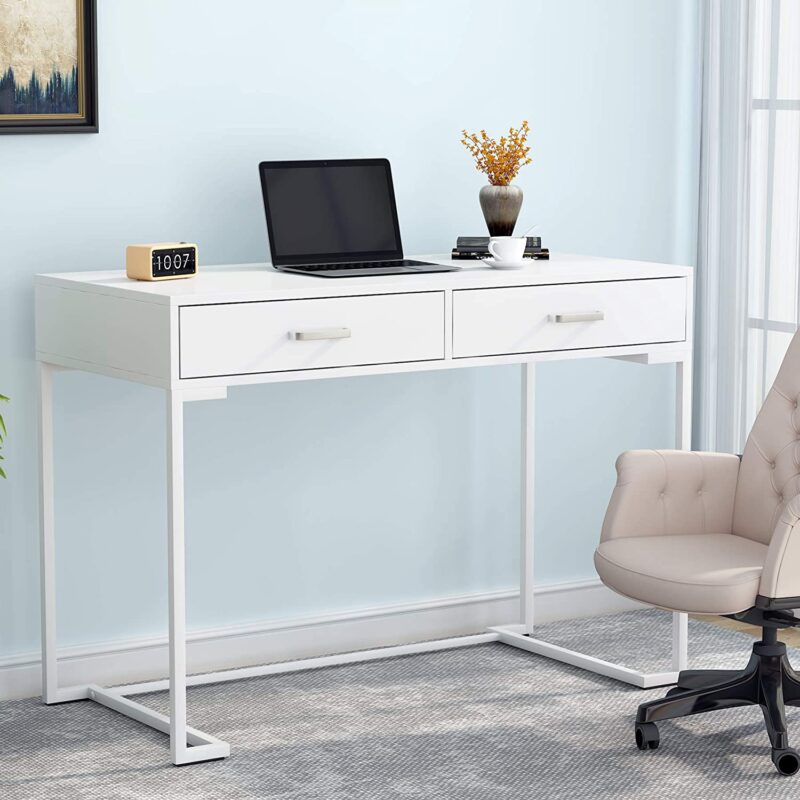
{"type": "Point", "coordinates": [479, 723]}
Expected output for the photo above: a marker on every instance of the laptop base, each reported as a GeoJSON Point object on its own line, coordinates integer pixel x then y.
{"type": "Point", "coordinates": [348, 271]}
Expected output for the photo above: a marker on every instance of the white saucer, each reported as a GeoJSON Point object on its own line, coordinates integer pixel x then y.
{"type": "Point", "coordinates": [495, 264]}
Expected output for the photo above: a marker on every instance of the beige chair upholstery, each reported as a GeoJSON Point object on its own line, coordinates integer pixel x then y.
{"type": "Point", "coordinates": [706, 532]}
{"type": "Point", "coordinates": [712, 573]}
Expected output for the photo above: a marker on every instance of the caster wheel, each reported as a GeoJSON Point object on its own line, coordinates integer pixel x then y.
{"type": "Point", "coordinates": [647, 737]}
{"type": "Point", "coordinates": [787, 762]}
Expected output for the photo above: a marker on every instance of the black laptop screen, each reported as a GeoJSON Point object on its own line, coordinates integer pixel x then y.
{"type": "Point", "coordinates": [330, 211]}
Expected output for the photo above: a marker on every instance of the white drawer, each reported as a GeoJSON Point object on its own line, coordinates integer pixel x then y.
{"type": "Point", "coordinates": [243, 338]}
{"type": "Point", "coordinates": [528, 319]}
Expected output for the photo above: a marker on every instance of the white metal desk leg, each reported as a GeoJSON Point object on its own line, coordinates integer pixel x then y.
{"type": "Point", "coordinates": [683, 441]}
{"type": "Point", "coordinates": [683, 399]}
{"type": "Point", "coordinates": [47, 536]}
{"type": "Point", "coordinates": [177, 579]}
{"type": "Point", "coordinates": [180, 752]}
{"type": "Point", "coordinates": [526, 580]}
{"type": "Point", "coordinates": [680, 641]}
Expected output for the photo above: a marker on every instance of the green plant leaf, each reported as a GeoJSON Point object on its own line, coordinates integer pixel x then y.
{"type": "Point", "coordinates": [3, 428]}
{"type": "Point", "coordinates": [3, 398]}
{"type": "Point", "coordinates": [2, 473]}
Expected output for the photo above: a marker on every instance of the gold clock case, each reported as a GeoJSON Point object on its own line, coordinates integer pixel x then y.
{"type": "Point", "coordinates": [139, 260]}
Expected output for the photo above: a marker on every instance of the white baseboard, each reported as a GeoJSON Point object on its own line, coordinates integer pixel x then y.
{"type": "Point", "coordinates": [133, 660]}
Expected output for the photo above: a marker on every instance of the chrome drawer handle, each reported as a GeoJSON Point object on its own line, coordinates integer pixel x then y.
{"type": "Point", "coordinates": [320, 333]}
{"type": "Point", "coordinates": [585, 316]}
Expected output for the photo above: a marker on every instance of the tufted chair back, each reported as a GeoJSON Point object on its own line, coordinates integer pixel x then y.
{"type": "Point", "coordinates": [769, 475]}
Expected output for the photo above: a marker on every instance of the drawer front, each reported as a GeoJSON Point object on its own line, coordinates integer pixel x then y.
{"type": "Point", "coordinates": [245, 338]}
{"type": "Point", "coordinates": [529, 319]}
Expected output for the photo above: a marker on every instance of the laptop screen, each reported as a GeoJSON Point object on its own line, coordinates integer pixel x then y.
{"type": "Point", "coordinates": [330, 211]}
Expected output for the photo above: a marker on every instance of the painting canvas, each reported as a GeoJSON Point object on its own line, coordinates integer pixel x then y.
{"type": "Point", "coordinates": [47, 66]}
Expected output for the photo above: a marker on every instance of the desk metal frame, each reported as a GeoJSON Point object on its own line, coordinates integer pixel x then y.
{"type": "Point", "coordinates": [188, 745]}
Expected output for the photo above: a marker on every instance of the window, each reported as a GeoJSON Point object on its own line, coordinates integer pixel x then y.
{"type": "Point", "coordinates": [772, 197]}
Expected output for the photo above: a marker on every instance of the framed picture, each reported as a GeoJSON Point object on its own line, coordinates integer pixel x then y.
{"type": "Point", "coordinates": [48, 66]}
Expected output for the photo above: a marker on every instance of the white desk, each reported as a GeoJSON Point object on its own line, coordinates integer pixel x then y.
{"type": "Point", "coordinates": [249, 324]}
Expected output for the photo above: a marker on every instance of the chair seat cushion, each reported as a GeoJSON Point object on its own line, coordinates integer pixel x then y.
{"type": "Point", "coordinates": [713, 573]}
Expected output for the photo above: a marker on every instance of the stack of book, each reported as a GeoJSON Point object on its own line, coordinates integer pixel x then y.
{"type": "Point", "coordinates": [475, 247]}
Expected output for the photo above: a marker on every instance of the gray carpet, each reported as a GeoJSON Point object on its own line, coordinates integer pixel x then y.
{"type": "Point", "coordinates": [479, 723]}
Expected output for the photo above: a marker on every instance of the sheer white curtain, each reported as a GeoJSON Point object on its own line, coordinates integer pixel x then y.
{"type": "Point", "coordinates": [748, 281]}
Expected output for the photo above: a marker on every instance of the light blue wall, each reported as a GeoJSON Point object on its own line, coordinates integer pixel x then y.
{"type": "Point", "coordinates": [338, 494]}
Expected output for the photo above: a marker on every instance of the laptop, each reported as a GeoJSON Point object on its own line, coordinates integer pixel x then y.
{"type": "Point", "coordinates": [335, 219]}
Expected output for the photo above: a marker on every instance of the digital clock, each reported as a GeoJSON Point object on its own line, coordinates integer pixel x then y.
{"type": "Point", "coordinates": [161, 262]}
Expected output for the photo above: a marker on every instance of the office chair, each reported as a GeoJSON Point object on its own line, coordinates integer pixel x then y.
{"type": "Point", "coordinates": [710, 533]}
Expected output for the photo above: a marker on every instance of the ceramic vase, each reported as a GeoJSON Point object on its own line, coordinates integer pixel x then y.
{"type": "Point", "coordinates": [500, 206]}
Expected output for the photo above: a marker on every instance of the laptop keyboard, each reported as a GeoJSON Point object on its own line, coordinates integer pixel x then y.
{"type": "Point", "coordinates": [403, 262]}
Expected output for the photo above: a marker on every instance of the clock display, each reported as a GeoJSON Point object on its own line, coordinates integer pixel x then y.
{"type": "Point", "coordinates": [174, 261]}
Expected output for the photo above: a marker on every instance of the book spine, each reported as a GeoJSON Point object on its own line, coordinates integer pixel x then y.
{"type": "Point", "coordinates": [542, 254]}
{"type": "Point", "coordinates": [481, 242]}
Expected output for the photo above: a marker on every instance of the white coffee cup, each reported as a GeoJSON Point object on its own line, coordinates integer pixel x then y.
{"type": "Point", "coordinates": [507, 248]}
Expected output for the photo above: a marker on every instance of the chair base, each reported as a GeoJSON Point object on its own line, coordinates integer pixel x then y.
{"type": "Point", "coordinates": [768, 681]}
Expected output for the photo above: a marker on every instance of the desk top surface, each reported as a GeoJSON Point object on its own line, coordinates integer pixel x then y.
{"type": "Point", "coordinates": [243, 282]}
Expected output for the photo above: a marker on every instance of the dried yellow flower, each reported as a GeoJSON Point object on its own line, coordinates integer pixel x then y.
{"type": "Point", "coordinates": [500, 160]}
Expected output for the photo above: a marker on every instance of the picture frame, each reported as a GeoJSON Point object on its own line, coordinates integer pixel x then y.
{"type": "Point", "coordinates": [66, 100]}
